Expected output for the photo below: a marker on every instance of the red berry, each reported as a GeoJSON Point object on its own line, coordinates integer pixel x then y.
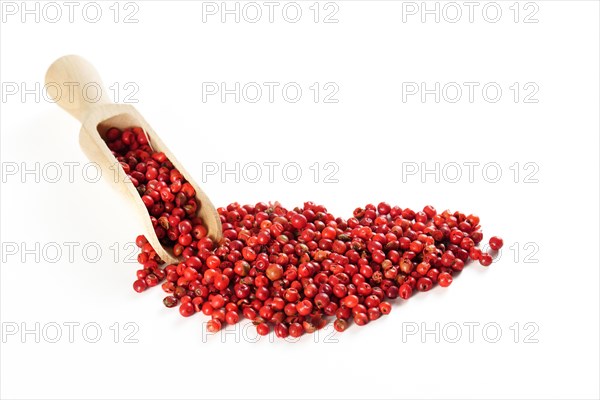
{"type": "Point", "coordinates": [170, 301]}
{"type": "Point", "coordinates": [262, 329]}
{"type": "Point", "coordinates": [213, 325]}
{"type": "Point", "coordinates": [405, 291]}
{"type": "Point", "coordinates": [474, 253]}
{"type": "Point", "coordinates": [496, 243]}
{"type": "Point", "coordinates": [274, 272]}
{"type": "Point", "coordinates": [321, 300]}
{"type": "Point", "coordinates": [295, 330]}
{"type": "Point", "coordinates": [444, 279]}
{"type": "Point", "coordinates": [383, 208]}
{"type": "Point", "coordinates": [424, 284]}
{"type": "Point", "coordinates": [217, 301]}
{"type": "Point", "coordinates": [139, 285]}
{"type": "Point", "coordinates": [385, 307]}
{"type": "Point", "coordinates": [299, 221]}
{"type": "Point", "coordinates": [429, 211]}
{"type": "Point", "coordinates": [185, 226]}
{"type": "Point", "coordinates": [232, 317]}
{"type": "Point", "coordinates": [458, 264]}
{"type": "Point", "coordinates": [329, 233]}
{"type": "Point", "coordinates": [448, 259]}
{"type": "Point", "coordinates": [281, 330]}
{"type": "Point", "coordinates": [340, 325]}
{"type": "Point", "coordinates": [207, 309]}
{"type": "Point", "coordinates": [485, 260]}
{"type": "Point", "coordinates": [361, 319]}
{"type": "Point", "coordinates": [213, 262]}
{"type": "Point", "coordinates": [373, 313]}
{"type": "Point", "coordinates": [221, 282]}
{"type": "Point", "coordinates": [350, 301]}
{"type": "Point", "coordinates": [304, 307]}
{"type": "Point", "coordinates": [148, 201]}
{"type": "Point", "coordinates": [186, 309]}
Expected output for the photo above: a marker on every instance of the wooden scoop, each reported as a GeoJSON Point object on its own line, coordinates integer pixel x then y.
{"type": "Point", "coordinates": [97, 115]}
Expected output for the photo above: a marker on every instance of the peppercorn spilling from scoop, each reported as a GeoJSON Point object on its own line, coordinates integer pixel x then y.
{"type": "Point", "coordinates": [290, 270]}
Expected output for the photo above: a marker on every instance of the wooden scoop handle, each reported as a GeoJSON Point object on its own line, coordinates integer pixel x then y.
{"type": "Point", "coordinates": [75, 85]}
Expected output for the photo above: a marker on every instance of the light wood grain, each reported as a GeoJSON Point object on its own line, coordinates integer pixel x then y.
{"type": "Point", "coordinates": [97, 114]}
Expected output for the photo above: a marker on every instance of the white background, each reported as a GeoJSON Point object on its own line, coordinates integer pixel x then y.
{"type": "Point", "coordinates": [372, 135]}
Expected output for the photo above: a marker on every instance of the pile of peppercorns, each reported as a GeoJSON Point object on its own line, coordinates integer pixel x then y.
{"type": "Point", "coordinates": [291, 270]}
